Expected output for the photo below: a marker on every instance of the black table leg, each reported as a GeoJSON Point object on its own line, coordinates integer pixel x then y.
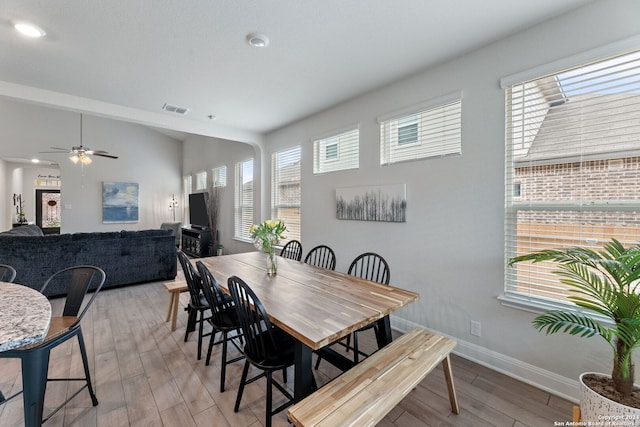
{"type": "Point", "coordinates": [383, 332]}
{"type": "Point", "coordinates": [303, 382]}
{"type": "Point", "coordinates": [35, 365]}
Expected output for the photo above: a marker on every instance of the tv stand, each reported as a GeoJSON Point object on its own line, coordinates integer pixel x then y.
{"type": "Point", "coordinates": [196, 241]}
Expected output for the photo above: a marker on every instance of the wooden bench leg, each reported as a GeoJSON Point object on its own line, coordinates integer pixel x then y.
{"type": "Point", "coordinates": [576, 414]}
{"type": "Point", "coordinates": [176, 303]}
{"type": "Point", "coordinates": [169, 308]}
{"type": "Point", "coordinates": [446, 365]}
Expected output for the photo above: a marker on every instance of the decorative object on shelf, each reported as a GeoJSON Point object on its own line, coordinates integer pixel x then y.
{"type": "Point", "coordinates": [81, 153]}
{"type": "Point", "coordinates": [266, 236]}
{"type": "Point", "coordinates": [607, 283]}
{"type": "Point", "coordinates": [21, 215]}
{"type": "Point", "coordinates": [387, 203]}
{"type": "Point", "coordinates": [173, 204]}
{"type": "Point", "coordinates": [119, 202]}
{"type": "Point", "coordinates": [214, 202]}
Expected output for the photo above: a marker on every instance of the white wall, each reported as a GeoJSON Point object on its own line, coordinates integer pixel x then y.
{"type": "Point", "coordinates": [450, 250]}
{"type": "Point", "coordinates": [147, 157]}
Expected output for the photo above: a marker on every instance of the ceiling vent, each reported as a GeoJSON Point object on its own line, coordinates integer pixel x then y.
{"type": "Point", "coordinates": [175, 109]}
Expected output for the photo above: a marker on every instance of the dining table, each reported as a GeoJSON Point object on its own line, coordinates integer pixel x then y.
{"type": "Point", "coordinates": [316, 306]}
{"type": "Point", "coordinates": [25, 316]}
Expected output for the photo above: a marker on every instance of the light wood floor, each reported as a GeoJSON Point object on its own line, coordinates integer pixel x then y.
{"type": "Point", "coordinates": [145, 375]}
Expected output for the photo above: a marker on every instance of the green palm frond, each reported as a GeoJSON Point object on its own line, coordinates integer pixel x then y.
{"type": "Point", "coordinates": [606, 282]}
{"type": "Point", "coordinates": [570, 322]}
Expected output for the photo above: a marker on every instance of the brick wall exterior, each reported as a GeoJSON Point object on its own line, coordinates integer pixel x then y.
{"type": "Point", "coordinates": [617, 179]}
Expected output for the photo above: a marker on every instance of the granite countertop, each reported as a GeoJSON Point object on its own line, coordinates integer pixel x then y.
{"type": "Point", "coordinates": [25, 315]}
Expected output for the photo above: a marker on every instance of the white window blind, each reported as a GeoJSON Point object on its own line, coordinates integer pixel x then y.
{"type": "Point", "coordinates": [219, 176]}
{"type": "Point", "coordinates": [201, 180]}
{"type": "Point", "coordinates": [419, 134]}
{"type": "Point", "coordinates": [337, 152]}
{"type": "Point", "coordinates": [285, 190]}
{"type": "Point", "coordinates": [572, 168]}
{"type": "Point", "coordinates": [243, 216]}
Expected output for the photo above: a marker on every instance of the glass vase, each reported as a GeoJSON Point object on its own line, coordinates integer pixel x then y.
{"type": "Point", "coordinates": [272, 263]}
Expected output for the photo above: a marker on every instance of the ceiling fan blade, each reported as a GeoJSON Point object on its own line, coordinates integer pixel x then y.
{"type": "Point", "coordinates": [104, 154]}
{"type": "Point", "coordinates": [54, 152]}
{"type": "Point", "coordinates": [58, 148]}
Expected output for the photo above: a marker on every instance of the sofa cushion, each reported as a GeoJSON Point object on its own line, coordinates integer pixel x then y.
{"type": "Point", "coordinates": [24, 230]}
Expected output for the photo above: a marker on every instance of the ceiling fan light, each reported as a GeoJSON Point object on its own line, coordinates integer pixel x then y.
{"type": "Point", "coordinates": [74, 158]}
{"type": "Point", "coordinates": [28, 29]}
{"type": "Point", "coordinates": [85, 160]}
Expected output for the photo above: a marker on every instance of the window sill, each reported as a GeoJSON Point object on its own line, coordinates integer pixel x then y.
{"type": "Point", "coordinates": [540, 307]}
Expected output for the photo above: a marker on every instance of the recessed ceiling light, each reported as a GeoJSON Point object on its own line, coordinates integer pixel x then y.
{"type": "Point", "coordinates": [28, 29]}
{"type": "Point", "coordinates": [257, 40]}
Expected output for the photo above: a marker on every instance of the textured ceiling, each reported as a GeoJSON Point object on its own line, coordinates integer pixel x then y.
{"type": "Point", "coordinates": [127, 58]}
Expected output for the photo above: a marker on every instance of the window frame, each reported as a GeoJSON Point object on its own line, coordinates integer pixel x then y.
{"type": "Point", "coordinates": [219, 171]}
{"type": "Point", "coordinates": [294, 228]}
{"type": "Point", "coordinates": [428, 144]}
{"type": "Point", "coordinates": [347, 152]}
{"type": "Point", "coordinates": [515, 202]}
{"type": "Point", "coordinates": [243, 207]}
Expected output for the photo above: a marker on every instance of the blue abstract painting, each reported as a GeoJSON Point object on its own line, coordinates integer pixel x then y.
{"type": "Point", "coordinates": [119, 202]}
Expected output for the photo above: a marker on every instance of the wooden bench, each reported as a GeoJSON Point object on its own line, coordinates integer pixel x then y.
{"type": "Point", "coordinates": [174, 289]}
{"type": "Point", "coordinates": [363, 395]}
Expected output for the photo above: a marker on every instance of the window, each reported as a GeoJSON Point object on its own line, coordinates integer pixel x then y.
{"type": "Point", "coordinates": [219, 176]}
{"type": "Point", "coordinates": [285, 190]}
{"type": "Point", "coordinates": [337, 152]}
{"type": "Point", "coordinates": [201, 180]}
{"type": "Point", "coordinates": [431, 130]}
{"type": "Point", "coordinates": [243, 217]}
{"type": "Point", "coordinates": [573, 168]}
{"type": "Point", "coordinates": [407, 128]}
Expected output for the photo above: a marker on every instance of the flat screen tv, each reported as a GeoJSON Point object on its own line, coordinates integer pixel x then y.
{"type": "Point", "coordinates": [198, 212]}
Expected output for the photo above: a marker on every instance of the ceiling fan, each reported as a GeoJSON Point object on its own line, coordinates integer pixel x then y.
{"type": "Point", "coordinates": [80, 153]}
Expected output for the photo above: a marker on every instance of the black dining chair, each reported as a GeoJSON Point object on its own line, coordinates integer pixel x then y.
{"type": "Point", "coordinates": [77, 281]}
{"type": "Point", "coordinates": [223, 319]}
{"type": "Point", "coordinates": [292, 250]}
{"type": "Point", "coordinates": [266, 347]}
{"type": "Point", "coordinates": [370, 266]}
{"type": "Point", "coordinates": [198, 307]}
{"type": "Point", "coordinates": [7, 273]}
{"type": "Point", "coordinates": [374, 267]}
{"type": "Point", "coordinates": [321, 256]}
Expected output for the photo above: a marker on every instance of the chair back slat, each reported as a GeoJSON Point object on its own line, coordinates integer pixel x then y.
{"type": "Point", "coordinates": [254, 321]}
{"type": "Point", "coordinates": [7, 273]}
{"type": "Point", "coordinates": [213, 294]}
{"type": "Point", "coordinates": [77, 280]}
{"type": "Point", "coordinates": [292, 250]}
{"type": "Point", "coordinates": [371, 266]}
{"type": "Point", "coordinates": [321, 256]}
{"type": "Point", "coordinates": [192, 278]}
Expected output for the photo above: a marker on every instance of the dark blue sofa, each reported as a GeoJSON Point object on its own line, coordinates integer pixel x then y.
{"type": "Point", "coordinates": [127, 257]}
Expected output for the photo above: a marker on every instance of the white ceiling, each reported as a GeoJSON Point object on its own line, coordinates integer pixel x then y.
{"type": "Point", "coordinates": [127, 58]}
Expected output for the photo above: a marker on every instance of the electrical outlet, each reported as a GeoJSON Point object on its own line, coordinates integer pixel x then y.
{"type": "Point", "coordinates": [476, 329]}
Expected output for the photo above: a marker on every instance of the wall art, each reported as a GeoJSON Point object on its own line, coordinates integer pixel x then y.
{"type": "Point", "coordinates": [386, 203]}
{"type": "Point", "coordinates": [119, 202]}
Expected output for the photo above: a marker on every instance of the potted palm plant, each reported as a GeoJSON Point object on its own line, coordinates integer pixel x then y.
{"type": "Point", "coordinates": [606, 284]}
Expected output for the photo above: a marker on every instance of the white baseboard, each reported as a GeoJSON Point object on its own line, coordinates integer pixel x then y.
{"type": "Point", "coordinates": [543, 379]}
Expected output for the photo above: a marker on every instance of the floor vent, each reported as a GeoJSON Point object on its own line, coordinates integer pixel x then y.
{"type": "Point", "coordinates": [175, 109]}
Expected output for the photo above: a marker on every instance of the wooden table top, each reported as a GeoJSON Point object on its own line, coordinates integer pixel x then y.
{"type": "Point", "coordinates": [25, 315]}
{"type": "Point", "coordinates": [314, 305]}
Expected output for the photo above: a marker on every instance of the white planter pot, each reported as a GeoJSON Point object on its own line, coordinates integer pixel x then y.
{"type": "Point", "coordinates": [599, 410]}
